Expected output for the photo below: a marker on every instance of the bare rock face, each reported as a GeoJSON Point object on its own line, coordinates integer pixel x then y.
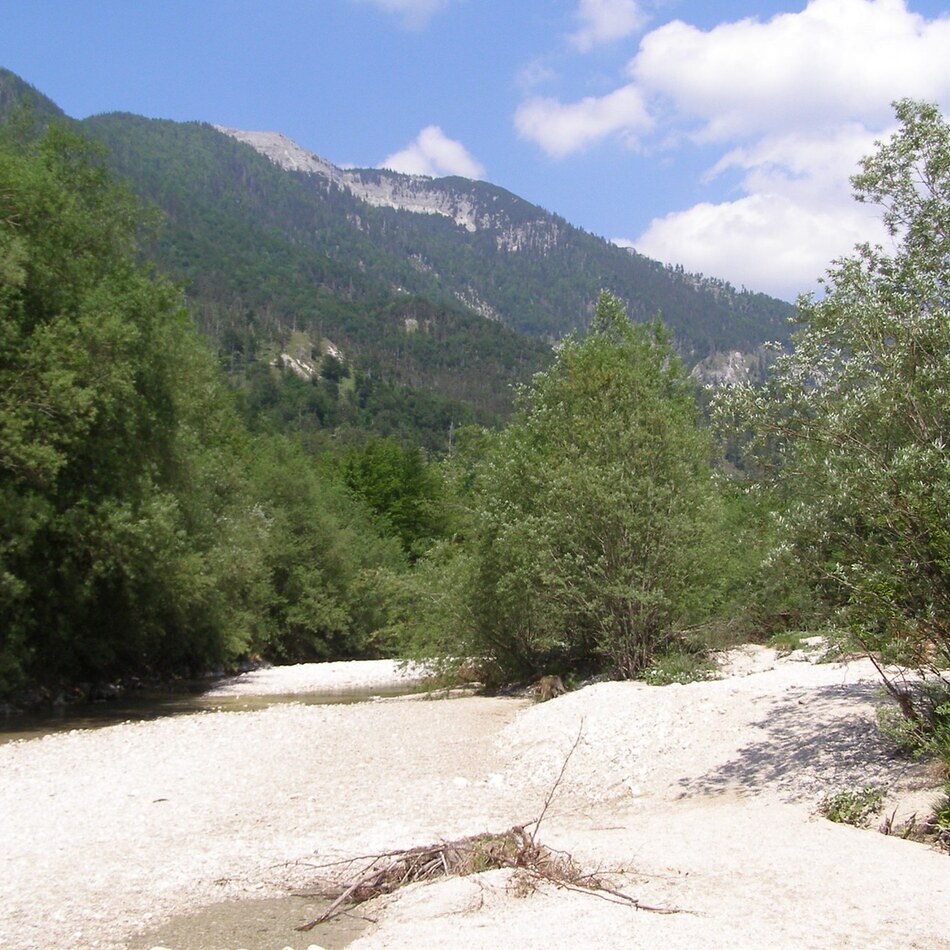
{"type": "Point", "coordinates": [416, 193]}
{"type": "Point", "coordinates": [284, 152]}
{"type": "Point", "coordinates": [727, 369]}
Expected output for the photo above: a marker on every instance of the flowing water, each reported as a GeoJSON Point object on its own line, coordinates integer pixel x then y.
{"type": "Point", "coordinates": [157, 705]}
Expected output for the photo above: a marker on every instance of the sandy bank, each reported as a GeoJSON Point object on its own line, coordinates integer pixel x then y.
{"type": "Point", "coordinates": [319, 677]}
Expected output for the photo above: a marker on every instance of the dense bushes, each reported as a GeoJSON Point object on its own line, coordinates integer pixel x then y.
{"type": "Point", "coordinates": [852, 426]}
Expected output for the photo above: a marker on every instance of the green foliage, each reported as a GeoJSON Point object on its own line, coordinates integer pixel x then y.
{"type": "Point", "coordinates": [110, 440]}
{"type": "Point", "coordinates": [320, 554]}
{"type": "Point", "coordinates": [590, 512]}
{"type": "Point", "coordinates": [942, 815]}
{"type": "Point", "coordinates": [141, 530]}
{"type": "Point", "coordinates": [927, 733]}
{"type": "Point", "coordinates": [855, 807]}
{"type": "Point", "coordinates": [853, 424]}
{"type": "Point", "coordinates": [400, 488]}
{"type": "Point", "coordinates": [788, 641]}
{"type": "Point", "coordinates": [754, 596]}
{"type": "Point", "coordinates": [678, 664]}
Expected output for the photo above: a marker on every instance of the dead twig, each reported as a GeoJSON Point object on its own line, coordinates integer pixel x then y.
{"type": "Point", "coordinates": [557, 781]}
{"type": "Point", "coordinates": [517, 849]}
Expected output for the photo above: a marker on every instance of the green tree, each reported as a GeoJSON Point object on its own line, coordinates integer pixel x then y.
{"type": "Point", "coordinates": [853, 424]}
{"type": "Point", "coordinates": [321, 554]}
{"type": "Point", "coordinates": [126, 541]}
{"type": "Point", "coordinates": [591, 510]}
{"type": "Point", "coordinates": [397, 484]}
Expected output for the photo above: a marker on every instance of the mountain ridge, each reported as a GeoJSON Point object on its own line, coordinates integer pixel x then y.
{"type": "Point", "coordinates": [503, 226]}
{"type": "Point", "coordinates": [448, 285]}
{"type": "Point", "coordinates": [287, 154]}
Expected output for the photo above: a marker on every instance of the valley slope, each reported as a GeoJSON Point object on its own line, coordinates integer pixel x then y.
{"type": "Point", "coordinates": [439, 294]}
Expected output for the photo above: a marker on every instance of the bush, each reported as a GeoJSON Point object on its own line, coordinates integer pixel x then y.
{"type": "Point", "coordinates": [678, 665]}
{"type": "Point", "coordinates": [852, 425]}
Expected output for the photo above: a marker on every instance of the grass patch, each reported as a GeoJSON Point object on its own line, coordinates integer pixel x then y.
{"type": "Point", "coordinates": [679, 665]}
{"type": "Point", "coordinates": [787, 641]}
{"type": "Point", "coordinates": [856, 807]}
{"type": "Point", "coordinates": [831, 645]}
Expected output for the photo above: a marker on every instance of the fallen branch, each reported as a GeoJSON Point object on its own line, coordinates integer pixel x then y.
{"type": "Point", "coordinates": [517, 849]}
{"type": "Point", "coordinates": [557, 781]}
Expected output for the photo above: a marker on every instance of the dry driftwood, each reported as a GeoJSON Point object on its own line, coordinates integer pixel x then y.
{"type": "Point", "coordinates": [361, 879]}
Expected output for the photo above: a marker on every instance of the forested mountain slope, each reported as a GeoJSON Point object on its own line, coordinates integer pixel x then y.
{"type": "Point", "coordinates": [516, 262]}
{"type": "Point", "coordinates": [440, 294]}
{"type": "Point", "coordinates": [263, 254]}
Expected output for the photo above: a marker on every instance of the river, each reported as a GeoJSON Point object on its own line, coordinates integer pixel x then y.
{"type": "Point", "coordinates": [145, 706]}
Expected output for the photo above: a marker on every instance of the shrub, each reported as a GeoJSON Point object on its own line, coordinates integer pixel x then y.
{"type": "Point", "coordinates": [855, 807]}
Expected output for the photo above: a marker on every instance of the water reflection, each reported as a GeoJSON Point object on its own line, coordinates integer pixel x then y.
{"type": "Point", "coordinates": [148, 706]}
{"type": "Point", "coordinates": [260, 923]}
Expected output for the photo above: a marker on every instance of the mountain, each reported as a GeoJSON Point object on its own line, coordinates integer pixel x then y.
{"type": "Point", "coordinates": [267, 257]}
{"type": "Point", "coordinates": [16, 93]}
{"type": "Point", "coordinates": [513, 261]}
{"type": "Point", "coordinates": [440, 294]}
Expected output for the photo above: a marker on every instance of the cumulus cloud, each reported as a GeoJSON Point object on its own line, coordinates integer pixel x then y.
{"type": "Point", "coordinates": [763, 241]}
{"type": "Point", "coordinates": [792, 103]}
{"type": "Point", "coordinates": [561, 129]}
{"type": "Point", "coordinates": [810, 165]}
{"type": "Point", "coordinates": [603, 21]}
{"type": "Point", "coordinates": [415, 14]}
{"type": "Point", "coordinates": [835, 61]}
{"type": "Point", "coordinates": [433, 153]}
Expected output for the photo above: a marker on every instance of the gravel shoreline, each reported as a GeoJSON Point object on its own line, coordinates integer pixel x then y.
{"type": "Point", "coordinates": [320, 677]}
{"type": "Point", "coordinates": [704, 794]}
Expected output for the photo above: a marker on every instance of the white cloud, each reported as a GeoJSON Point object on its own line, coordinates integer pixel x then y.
{"type": "Point", "coordinates": [835, 61]}
{"type": "Point", "coordinates": [792, 102]}
{"type": "Point", "coordinates": [561, 129]}
{"type": "Point", "coordinates": [534, 74]}
{"type": "Point", "coordinates": [765, 242]}
{"type": "Point", "coordinates": [811, 168]}
{"type": "Point", "coordinates": [604, 21]}
{"type": "Point", "coordinates": [415, 14]}
{"type": "Point", "coordinates": [433, 153]}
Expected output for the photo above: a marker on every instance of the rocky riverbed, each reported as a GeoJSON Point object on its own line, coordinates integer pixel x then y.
{"type": "Point", "coordinates": [698, 798]}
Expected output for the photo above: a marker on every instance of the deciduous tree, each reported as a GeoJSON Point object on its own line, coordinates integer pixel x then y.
{"type": "Point", "coordinates": [855, 420]}
{"type": "Point", "coordinates": [592, 508]}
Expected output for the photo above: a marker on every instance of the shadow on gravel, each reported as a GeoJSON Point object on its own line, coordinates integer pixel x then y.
{"type": "Point", "coordinates": [809, 746]}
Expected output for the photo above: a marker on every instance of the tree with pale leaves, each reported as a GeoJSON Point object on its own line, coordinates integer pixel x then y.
{"type": "Point", "coordinates": [853, 424]}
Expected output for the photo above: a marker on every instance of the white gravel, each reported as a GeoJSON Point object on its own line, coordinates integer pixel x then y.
{"type": "Point", "coordinates": [320, 677]}
{"type": "Point", "coordinates": [703, 794]}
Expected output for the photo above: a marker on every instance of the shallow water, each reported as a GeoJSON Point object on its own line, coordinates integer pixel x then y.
{"type": "Point", "coordinates": [145, 707]}
{"type": "Point", "coordinates": [255, 925]}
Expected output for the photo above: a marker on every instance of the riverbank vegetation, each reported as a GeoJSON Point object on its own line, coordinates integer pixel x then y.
{"type": "Point", "coordinates": [145, 531]}
{"type": "Point", "coordinates": [156, 520]}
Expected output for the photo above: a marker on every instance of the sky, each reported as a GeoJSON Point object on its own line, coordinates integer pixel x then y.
{"type": "Point", "coordinates": [720, 136]}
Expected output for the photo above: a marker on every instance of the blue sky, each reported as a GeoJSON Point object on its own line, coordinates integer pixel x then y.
{"type": "Point", "coordinates": [717, 135]}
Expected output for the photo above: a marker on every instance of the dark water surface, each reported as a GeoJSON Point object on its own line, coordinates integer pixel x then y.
{"type": "Point", "coordinates": [144, 707]}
